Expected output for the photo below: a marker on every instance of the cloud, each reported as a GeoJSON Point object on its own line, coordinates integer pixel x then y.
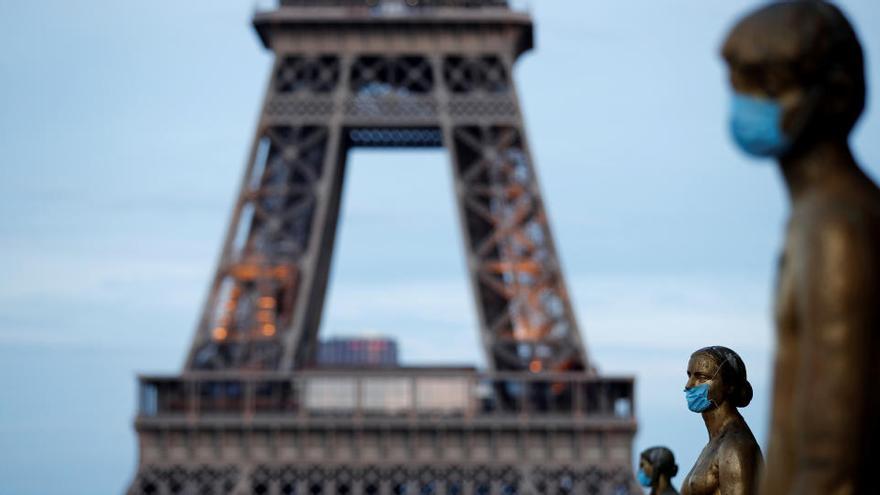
{"type": "Point", "coordinates": [667, 313]}
{"type": "Point", "coordinates": [12, 337]}
{"type": "Point", "coordinates": [443, 301]}
{"type": "Point", "coordinates": [672, 312]}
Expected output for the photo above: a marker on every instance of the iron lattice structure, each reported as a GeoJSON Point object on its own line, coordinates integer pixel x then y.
{"type": "Point", "coordinates": [385, 73]}
{"type": "Point", "coordinates": [439, 80]}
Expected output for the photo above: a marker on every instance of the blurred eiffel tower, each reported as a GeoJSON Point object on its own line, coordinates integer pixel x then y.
{"type": "Point", "coordinates": [251, 413]}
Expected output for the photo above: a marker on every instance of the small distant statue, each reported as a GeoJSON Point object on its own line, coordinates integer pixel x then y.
{"type": "Point", "coordinates": [657, 467]}
{"type": "Point", "coordinates": [716, 387]}
{"type": "Point", "coordinates": [797, 72]}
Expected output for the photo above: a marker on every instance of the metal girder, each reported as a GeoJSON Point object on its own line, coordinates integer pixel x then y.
{"type": "Point", "coordinates": [266, 300]}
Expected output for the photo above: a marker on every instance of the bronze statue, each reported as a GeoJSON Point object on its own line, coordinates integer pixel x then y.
{"type": "Point", "coordinates": [797, 72]}
{"type": "Point", "coordinates": [716, 387]}
{"type": "Point", "coordinates": [657, 467]}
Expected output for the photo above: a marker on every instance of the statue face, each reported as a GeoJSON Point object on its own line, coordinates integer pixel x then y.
{"type": "Point", "coordinates": [766, 56]}
{"type": "Point", "coordinates": [646, 466]}
{"type": "Point", "coordinates": [702, 368]}
{"type": "Point", "coordinates": [805, 58]}
{"type": "Point", "coordinates": [774, 82]}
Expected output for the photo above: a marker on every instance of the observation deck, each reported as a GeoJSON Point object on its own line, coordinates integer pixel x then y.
{"type": "Point", "coordinates": [306, 18]}
{"type": "Point", "coordinates": [386, 431]}
{"type": "Point", "coordinates": [404, 396]}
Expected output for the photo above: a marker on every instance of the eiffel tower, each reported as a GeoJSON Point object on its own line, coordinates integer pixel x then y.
{"type": "Point", "coordinates": [251, 413]}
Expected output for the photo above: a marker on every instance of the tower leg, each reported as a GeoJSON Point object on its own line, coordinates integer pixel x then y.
{"type": "Point", "coordinates": [526, 318]}
{"type": "Point", "coordinates": [300, 341]}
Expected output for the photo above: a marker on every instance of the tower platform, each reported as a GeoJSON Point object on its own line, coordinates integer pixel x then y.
{"type": "Point", "coordinates": [418, 431]}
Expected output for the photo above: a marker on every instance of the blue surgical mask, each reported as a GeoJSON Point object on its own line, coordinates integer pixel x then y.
{"type": "Point", "coordinates": [698, 398]}
{"type": "Point", "coordinates": [756, 125]}
{"type": "Point", "coordinates": [643, 478]}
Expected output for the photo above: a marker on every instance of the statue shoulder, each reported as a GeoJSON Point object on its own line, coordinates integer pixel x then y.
{"type": "Point", "coordinates": [739, 447]}
{"type": "Point", "coordinates": [829, 218]}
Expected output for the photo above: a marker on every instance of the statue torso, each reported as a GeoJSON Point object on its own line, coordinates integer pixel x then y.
{"type": "Point", "coordinates": [815, 221]}
{"type": "Point", "coordinates": [704, 477]}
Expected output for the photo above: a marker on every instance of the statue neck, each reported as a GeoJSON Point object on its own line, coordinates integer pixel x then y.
{"type": "Point", "coordinates": [718, 418]}
{"type": "Point", "coordinates": [820, 164]}
{"type": "Point", "coordinates": [661, 487]}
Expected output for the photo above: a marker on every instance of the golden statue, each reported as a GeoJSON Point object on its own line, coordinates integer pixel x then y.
{"type": "Point", "coordinates": [657, 467]}
{"type": "Point", "coordinates": [797, 72]}
{"type": "Point", "coordinates": [716, 387]}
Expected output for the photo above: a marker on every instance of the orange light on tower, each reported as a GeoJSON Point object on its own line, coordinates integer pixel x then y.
{"type": "Point", "coordinates": [268, 329]}
{"type": "Point", "coordinates": [535, 366]}
{"type": "Point", "coordinates": [220, 333]}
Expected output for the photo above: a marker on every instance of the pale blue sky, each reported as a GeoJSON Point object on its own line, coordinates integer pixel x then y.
{"type": "Point", "coordinates": [123, 130]}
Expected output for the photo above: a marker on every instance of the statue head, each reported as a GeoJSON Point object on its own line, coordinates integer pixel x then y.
{"type": "Point", "coordinates": [655, 463]}
{"type": "Point", "coordinates": [716, 375]}
{"type": "Point", "coordinates": [797, 71]}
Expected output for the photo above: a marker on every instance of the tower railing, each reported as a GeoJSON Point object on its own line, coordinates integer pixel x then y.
{"type": "Point", "coordinates": [458, 394]}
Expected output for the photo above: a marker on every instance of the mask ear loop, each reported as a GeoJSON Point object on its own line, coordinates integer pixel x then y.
{"type": "Point", "coordinates": [726, 358]}
{"type": "Point", "coordinates": [719, 368]}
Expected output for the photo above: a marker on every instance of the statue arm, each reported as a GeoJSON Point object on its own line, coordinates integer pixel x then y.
{"type": "Point", "coordinates": [738, 463]}
{"type": "Point", "coordinates": [835, 312]}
